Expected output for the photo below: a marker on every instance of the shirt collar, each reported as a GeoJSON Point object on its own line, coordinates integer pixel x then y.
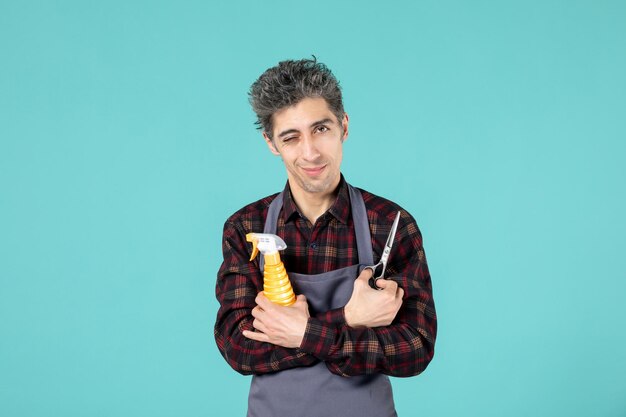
{"type": "Point", "coordinates": [340, 209]}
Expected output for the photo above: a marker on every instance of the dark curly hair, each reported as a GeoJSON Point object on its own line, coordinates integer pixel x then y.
{"type": "Point", "coordinates": [289, 82]}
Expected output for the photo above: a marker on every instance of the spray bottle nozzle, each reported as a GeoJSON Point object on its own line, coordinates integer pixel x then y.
{"type": "Point", "coordinates": [266, 243]}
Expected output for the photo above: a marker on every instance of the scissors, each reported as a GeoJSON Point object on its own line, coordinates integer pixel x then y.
{"type": "Point", "coordinates": [382, 264]}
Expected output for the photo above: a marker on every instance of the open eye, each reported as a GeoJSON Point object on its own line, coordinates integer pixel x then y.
{"type": "Point", "coordinates": [322, 129]}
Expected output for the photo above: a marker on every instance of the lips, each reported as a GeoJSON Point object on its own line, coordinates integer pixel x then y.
{"type": "Point", "coordinates": [313, 171]}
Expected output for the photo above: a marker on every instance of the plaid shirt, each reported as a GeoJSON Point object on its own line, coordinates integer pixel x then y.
{"type": "Point", "coordinates": [403, 348]}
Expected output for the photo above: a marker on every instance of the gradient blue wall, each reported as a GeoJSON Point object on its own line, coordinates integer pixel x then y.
{"type": "Point", "coordinates": [126, 140]}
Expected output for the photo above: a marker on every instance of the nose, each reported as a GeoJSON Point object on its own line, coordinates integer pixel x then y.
{"type": "Point", "coordinates": [309, 150]}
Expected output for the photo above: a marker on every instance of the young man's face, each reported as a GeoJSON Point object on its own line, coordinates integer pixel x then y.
{"type": "Point", "coordinates": [309, 138]}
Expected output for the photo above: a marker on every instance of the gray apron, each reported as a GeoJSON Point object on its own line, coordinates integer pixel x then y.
{"type": "Point", "coordinates": [314, 391]}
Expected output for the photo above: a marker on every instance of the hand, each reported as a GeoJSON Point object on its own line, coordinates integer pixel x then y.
{"type": "Point", "coordinates": [279, 325]}
{"type": "Point", "coordinates": [368, 307]}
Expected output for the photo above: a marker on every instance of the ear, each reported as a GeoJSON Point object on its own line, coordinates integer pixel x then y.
{"type": "Point", "coordinates": [270, 144]}
{"type": "Point", "coordinates": [344, 125]}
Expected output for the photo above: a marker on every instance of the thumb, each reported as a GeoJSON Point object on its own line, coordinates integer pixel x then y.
{"type": "Point", "coordinates": [302, 304]}
{"type": "Point", "coordinates": [365, 275]}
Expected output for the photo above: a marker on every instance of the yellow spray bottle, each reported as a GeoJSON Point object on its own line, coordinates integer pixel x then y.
{"type": "Point", "coordinates": [276, 284]}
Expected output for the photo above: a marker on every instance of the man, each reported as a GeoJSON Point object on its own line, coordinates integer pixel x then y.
{"type": "Point", "coordinates": [328, 354]}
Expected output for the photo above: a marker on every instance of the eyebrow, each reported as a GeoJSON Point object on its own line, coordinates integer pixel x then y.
{"type": "Point", "coordinates": [317, 123]}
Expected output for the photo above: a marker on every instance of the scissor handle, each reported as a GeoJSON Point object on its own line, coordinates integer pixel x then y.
{"type": "Point", "coordinates": [374, 278]}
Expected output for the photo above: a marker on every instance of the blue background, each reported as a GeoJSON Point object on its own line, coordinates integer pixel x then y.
{"type": "Point", "coordinates": [126, 140]}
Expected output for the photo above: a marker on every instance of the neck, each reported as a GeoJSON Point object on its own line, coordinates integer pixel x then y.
{"type": "Point", "coordinates": [313, 205]}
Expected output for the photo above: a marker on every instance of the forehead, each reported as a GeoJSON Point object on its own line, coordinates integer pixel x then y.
{"type": "Point", "coordinates": [302, 114]}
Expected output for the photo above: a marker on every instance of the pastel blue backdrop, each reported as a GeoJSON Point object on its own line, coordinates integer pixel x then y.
{"type": "Point", "coordinates": [126, 140]}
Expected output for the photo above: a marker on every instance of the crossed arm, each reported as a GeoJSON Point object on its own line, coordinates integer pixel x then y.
{"type": "Point", "coordinates": [286, 326]}
{"type": "Point", "coordinates": [390, 331]}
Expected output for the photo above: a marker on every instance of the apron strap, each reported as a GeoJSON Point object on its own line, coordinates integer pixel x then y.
{"type": "Point", "coordinates": [359, 218]}
{"type": "Point", "coordinates": [361, 227]}
{"type": "Point", "coordinates": [271, 221]}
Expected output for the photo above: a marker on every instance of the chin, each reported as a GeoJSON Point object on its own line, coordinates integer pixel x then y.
{"type": "Point", "coordinates": [317, 187]}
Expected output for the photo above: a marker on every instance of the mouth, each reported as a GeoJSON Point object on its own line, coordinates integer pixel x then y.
{"type": "Point", "coordinates": [313, 171]}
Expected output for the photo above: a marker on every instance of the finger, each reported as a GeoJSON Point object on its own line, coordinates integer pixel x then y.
{"type": "Point", "coordinates": [302, 304]}
{"type": "Point", "coordinates": [258, 336]}
{"type": "Point", "coordinates": [257, 312]}
{"type": "Point", "coordinates": [262, 301]}
{"type": "Point", "coordinates": [400, 292]}
{"type": "Point", "coordinates": [365, 275]}
{"type": "Point", "coordinates": [301, 299]}
{"type": "Point", "coordinates": [258, 325]}
{"type": "Point", "coordinates": [387, 284]}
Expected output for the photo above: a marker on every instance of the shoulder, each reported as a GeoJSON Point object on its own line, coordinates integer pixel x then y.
{"type": "Point", "coordinates": [382, 211]}
{"type": "Point", "coordinates": [251, 217]}
{"type": "Point", "coordinates": [379, 207]}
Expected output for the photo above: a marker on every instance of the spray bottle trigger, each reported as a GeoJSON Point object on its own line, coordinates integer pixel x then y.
{"type": "Point", "coordinates": [250, 237]}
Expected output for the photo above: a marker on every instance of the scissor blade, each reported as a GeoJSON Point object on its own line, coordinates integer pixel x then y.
{"type": "Point", "coordinates": [392, 234]}
{"type": "Point", "coordinates": [390, 238]}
